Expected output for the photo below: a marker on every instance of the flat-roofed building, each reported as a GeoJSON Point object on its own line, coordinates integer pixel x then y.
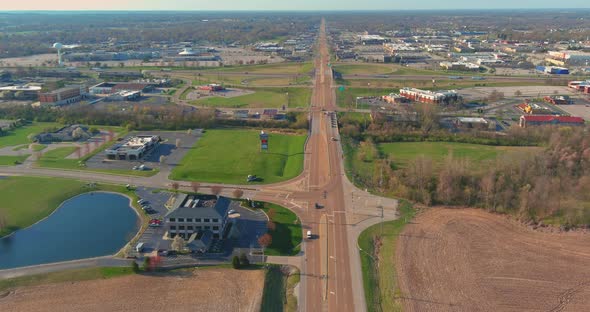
{"type": "Point", "coordinates": [133, 148]}
{"type": "Point", "coordinates": [191, 214]}
{"type": "Point", "coordinates": [66, 95]}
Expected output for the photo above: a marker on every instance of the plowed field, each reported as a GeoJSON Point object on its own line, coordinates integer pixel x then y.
{"type": "Point", "coordinates": [471, 260]}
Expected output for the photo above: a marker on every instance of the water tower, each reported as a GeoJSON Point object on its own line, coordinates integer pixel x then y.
{"type": "Point", "coordinates": [58, 46]}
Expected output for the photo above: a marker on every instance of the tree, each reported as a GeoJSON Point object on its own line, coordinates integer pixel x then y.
{"type": "Point", "coordinates": [134, 267]}
{"type": "Point", "coordinates": [517, 93]}
{"type": "Point", "coordinates": [244, 261]}
{"type": "Point", "coordinates": [178, 243]}
{"type": "Point", "coordinates": [235, 262]}
{"type": "Point", "coordinates": [238, 193]}
{"type": "Point", "coordinates": [162, 159]}
{"type": "Point", "coordinates": [216, 189]}
{"type": "Point", "coordinates": [265, 240]}
{"type": "Point", "coordinates": [175, 186]}
{"type": "Point", "coordinates": [195, 186]}
{"type": "Point", "coordinates": [271, 213]}
{"type": "Point", "coordinates": [271, 226]}
{"type": "Point", "coordinates": [146, 263]}
{"type": "Point", "coordinates": [189, 131]}
{"type": "Point", "coordinates": [178, 143]}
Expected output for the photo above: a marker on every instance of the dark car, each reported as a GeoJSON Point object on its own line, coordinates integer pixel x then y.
{"type": "Point", "coordinates": [318, 206]}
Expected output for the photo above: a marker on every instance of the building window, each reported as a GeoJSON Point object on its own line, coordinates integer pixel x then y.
{"type": "Point", "coordinates": [198, 220]}
{"type": "Point", "coordinates": [181, 227]}
{"type": "Point", "coordinates": [207, 227]}
{"type": "Point", "coordinates": [189, 219]}
{"type": "Point", "coordinates": [215, 220]}
{"type": "Point", "coordinates": [190, 227]}
{"type": "Point", "coordinates": [172, 220]}
{"type": "Point", "coordinates": [173, 227]}
{"type": "Point", "coordinates": [199, 227]}
{"type": "Point", "coordinates": [206, 220]}
{"type": "Point", "coordinates": [180, 219]}
{"type": "Point", "coordinates": [215, 228]}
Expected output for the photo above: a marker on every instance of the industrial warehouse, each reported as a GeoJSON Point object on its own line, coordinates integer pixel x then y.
{"type": "Point", "coordinates": [134, 148]}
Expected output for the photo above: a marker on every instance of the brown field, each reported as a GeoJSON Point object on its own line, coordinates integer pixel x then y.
{"type": "Point", "coordinates": [471, 260]}
{"type": "Point", "coordinates": [201, 290]}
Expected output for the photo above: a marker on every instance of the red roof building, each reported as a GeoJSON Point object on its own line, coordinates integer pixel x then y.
{"type": "Point", "coordinates": [539, 120]}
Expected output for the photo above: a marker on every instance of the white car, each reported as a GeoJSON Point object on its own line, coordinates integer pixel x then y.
{"type": "Point", "coordinates": [231, 212]}
{"type": "Point", "coordinates": [308, 234]}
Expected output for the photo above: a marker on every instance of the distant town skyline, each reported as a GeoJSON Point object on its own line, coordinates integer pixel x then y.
{"type": "Point", "coordinates": [261, 5]}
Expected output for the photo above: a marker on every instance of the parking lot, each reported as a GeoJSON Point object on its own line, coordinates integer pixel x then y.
{"type": "Point", "coordinates": [246, 226]}
{"type": "Point", "coordinates": [151, 160]}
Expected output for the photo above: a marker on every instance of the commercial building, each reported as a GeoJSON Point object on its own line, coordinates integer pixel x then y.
{"type": "Point", "coordinates": [191, 214]}
{"type": "Point", "coordinates": [424, 96]}
{"type": "Point", "coordinates": [133, 148]}
{"type": "Point", "coordinates": [570, 57]}
{"type": "Point", "coordinates": [106, 88]}
{"type": "Point", "coordinates": [553, 70]}
{"type": "Point", "coordinates": [372, 39]}
{"type": "Point", "coordinates": [124, 96]}
{"type": "Point", "coordinates": [533, 109]}
{"type": "Point", "coordinates": [471, 123]}
{"type": "Point", "coordinates": [394, 98]}
{"type": "Point", "coordinates": [582, 86]}
{"type": "Point", "coordinates": [459, 66]}
{"type": "Point", "coordinates": [541, 120]}
{"type": "Point", "coordinates": [62, 96]}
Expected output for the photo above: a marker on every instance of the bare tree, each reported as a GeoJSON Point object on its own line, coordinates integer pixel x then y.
{"type": "Point", "coordinates": [216, 189]}
{"type": "Point", "coordinates": [178, 143]}
{"type": "Point", "coordinates": [271, 213]}
{"type": "Point", "coordinates": [195, 186]}
{"type": "Point", "coordinates": [189, 131]}
{"type": "Point", "coordinates": [517, 93]}
{"type": "Point", "coordinates": [162, 159]}
{"type": "Point", "coordinates": [238, 193]}
{"type": "Point", "coordinates": [175, 186]}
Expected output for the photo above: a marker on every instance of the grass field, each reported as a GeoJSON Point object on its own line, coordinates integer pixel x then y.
{"type": "Point", "coordinates": [26, 200]}
{"type": "Point", "coordinates": [253, 81]}
{"type": "Point", "coordinates": [404, 152]}
{"type": "Point", "coordinates": [261, 98]}
{"type": "Point", "coordinates": [347, 98]}
{"type": "Point", "coordinates": [20, 135]}
{"type": "Point", "coordinates": [278, 68]}
{"type": "Point", "coordinates": [229, 156]}
{"type": "Point", "coordinates": [286, 238]}
{"type": "Point", "coordinates": [378, 267]}
{"type": "Point", "coordinates": [364, 69]}
{"type": "Point", "coordinates": [11, 160]}
{"type": "Point", "coordinates": [64, 276]}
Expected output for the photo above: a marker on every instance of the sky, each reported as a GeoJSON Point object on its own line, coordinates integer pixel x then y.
{"type": "Point", "coordinates": [259, 5]}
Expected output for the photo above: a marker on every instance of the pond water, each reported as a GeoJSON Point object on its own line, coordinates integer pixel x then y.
{"type": "Point", "coordinates": [89, 225]}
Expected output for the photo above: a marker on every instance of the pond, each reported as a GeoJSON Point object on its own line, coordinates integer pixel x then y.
{"type": "Point", "coordinates": [89, 225]}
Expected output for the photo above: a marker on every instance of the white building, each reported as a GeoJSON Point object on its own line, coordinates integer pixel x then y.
{"type": "Point", "coordinates": [134, 148]}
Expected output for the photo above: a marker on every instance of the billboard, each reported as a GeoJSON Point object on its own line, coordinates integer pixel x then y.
{"type": "Point", "coordinates": [263, 140]}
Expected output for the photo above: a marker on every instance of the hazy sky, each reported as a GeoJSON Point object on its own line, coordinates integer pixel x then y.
{"type": "Point", "coordinates": [282, 4]}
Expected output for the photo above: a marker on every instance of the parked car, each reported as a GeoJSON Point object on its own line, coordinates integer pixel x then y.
{"type": "Point", "coordinates": [231, 211]}
{"type": "Point", "coordinates": [318, 206]}
{"type": "Point", "coordinates": [309, 234]}
{"type": "Point", "coordinates": [251, 178]}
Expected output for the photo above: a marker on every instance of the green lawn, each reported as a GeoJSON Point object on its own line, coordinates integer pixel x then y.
{"type": "Point", "coordinates": [64, 276]}
{"type": "Point", "coordinates": [11, 160]}
{"type": "Point", "coordinates": [364, 69]}
{"type": "Point", "coordinates": [261, 98]}
{"type": "Point", "coordinates": [20, 135]}
{"type": "Point", "coordinates": [26, 200]}
{"type": "Point", "coordinates": [379, 274]}
{"type": "Point", "coordinates": [286, 238]}
{"type": "Point", "coordinates": [57, 159]}
{"type": "Point", "coordinates": [229, 156]}
{"type": "Point", "coordinates": [403, 152]}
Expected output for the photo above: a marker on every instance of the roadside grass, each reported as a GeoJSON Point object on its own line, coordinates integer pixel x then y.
{"type": "Point", "coordinates": [64, 276]}
{"type": "Point", "coordinates": [292, 280]}
{"type": "Point", "coordinates": [20, 135]}
{"type": "Point", "coordinates": [261, 98]}
{"type": "Point", "coordinates": [229, 156]}
{"type": "Point", "coordinates": [378, 261]}
{"type": "Point", "coordinates": [26, 200]}
{"type": "Point", "coordinates": [364, 69]}
{"type": "Point", "coordinates": [274, 294]}
{"type": "Point", "coordinates": [286, 238]}
{"type": "Point", "coordinates": [12, 160]}
{"type": "Point", "coordinates": [252, 80]}
{"type": "Point", "coordinates": [276, 68]}
{"type": "Point", "coordinates": [395, 83]}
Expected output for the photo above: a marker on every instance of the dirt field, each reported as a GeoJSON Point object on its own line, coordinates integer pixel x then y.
{"type": "Point", "coordinates": [203, 290]}
{"type": "Point", "coordinates": [471, 260]}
